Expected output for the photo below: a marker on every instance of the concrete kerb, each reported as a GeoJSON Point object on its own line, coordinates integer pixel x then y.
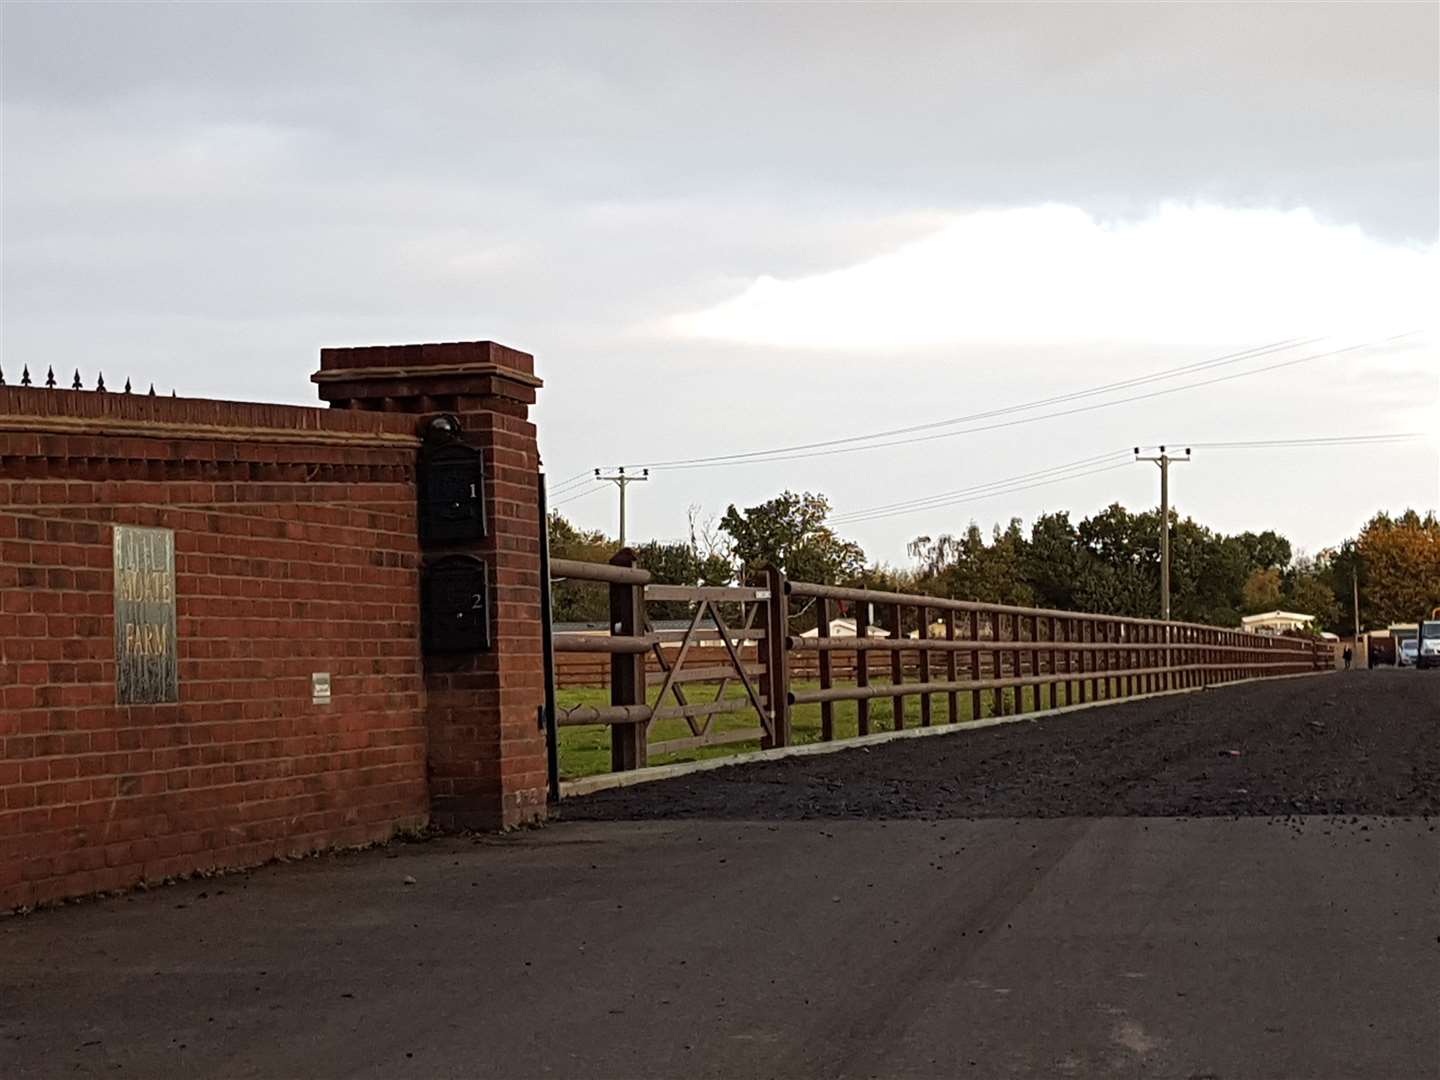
{"type": "Point", "coordinates": [604, 781]}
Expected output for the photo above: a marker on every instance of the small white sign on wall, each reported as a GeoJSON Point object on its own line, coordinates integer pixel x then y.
{"type": "Point", "coordinates": [320, 688]}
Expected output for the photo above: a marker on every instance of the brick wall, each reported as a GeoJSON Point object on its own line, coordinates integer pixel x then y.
{"type": "Point", "coordinates": [296, 552]}
{"type": "Point", "coordinates": [487, 747]}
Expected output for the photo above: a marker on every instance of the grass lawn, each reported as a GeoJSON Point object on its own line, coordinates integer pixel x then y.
{"type": "Point", "coordinates": [585, 751]}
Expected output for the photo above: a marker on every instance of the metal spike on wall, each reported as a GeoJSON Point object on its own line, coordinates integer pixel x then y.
{"type": "Point", "coordinates": [172, 393]}
{"type": "Point", "coordinates": [2, 376]}
{"type": "Point", "coordinates": [152, 389]}
{"type": "Point", "coordinates": [50, 378]}
{"type": "Point", "coordinates": [100, 384]}
{"type": "Point", "coordinates": [127, 384]}
{"type": "Point", "coordinates": [76, 384]}
{"type": "Point", "coordinates": [25, 376]}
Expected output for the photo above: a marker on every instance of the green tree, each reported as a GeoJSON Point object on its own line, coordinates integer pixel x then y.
{"type": "Point", "coordinates": [1261, 591]}
{"type": "Point", "coordinates": [1264, 551]}
{"type": "Point", "coordinates": [669, 564]}
{"type": "Point", "coordinates": [1307, 590]}
{"type": "Point", "coordinates": [1220, 568]}
{"type": "Point", "coordinates": [1125, 576]}
{"type": "Point", "coordinates": [1343, 569]}
{"type": "Point", "coordinates": [789, 532]}
{"type": "Point", "coordinates": [1055, 563]}
{"type": "Point", "coordinates": [578, 601]}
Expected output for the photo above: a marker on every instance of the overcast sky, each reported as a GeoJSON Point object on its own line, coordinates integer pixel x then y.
{"type": "Point", "coordinates": [728, 228]}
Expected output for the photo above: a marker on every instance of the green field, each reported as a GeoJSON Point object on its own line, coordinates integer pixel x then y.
{"type": "Point", "coordinates": [585, 751]}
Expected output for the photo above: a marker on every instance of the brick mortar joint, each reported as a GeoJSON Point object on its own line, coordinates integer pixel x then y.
{"type": "Point", "coordinates": [371, 373]}
{"type": "Point", "coordinates": [162, 429]}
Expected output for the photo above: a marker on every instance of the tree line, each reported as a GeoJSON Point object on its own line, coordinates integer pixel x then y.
{"type": "Point", "coordinates": [1107, 563]}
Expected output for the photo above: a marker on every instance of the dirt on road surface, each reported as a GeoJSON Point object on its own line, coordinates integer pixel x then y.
{"type": "Point", "coordinates": [1356, 743]}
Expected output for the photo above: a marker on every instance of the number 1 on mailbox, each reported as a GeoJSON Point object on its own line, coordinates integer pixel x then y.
{"type": "Point", "coordinates": [452, 494]}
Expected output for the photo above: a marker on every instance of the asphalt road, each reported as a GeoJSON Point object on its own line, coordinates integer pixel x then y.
{"type": "Point", "coordinates": [1365, 742]}
{"type": "Point", "coordinates": [1125, 946]}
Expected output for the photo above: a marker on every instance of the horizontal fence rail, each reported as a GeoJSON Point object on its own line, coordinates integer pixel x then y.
{"type": "Point", "coordinates": [604, 643]}
{"type": "Point", "coordinates": [961, 659]}
{"type": "Point", "coordinates": [989, 655]}
{"type": "Point", "coordinates": [579, 570]}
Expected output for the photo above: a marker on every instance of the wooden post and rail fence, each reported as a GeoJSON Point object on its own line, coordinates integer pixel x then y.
{"type": "Point", "coordinates": [967, 660]}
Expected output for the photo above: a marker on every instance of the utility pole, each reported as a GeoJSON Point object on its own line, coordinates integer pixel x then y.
{"type": "Point", "coordinates": [1355, 584]}
{"type": "Point", "coordinates": [1164, 460]}
{"type": "Point", "coordinates": [620, 480]}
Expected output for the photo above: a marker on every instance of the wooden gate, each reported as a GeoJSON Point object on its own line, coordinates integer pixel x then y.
{"type": "Point", "coordinates": [718, 659]}
{"type": "Point", "coordinates": [717, 665]}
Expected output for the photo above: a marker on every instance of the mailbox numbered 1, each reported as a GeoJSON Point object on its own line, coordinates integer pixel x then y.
{"type": "Point", "coordinates": [452, 494]}
{"type": "Point", "coordinates": [456, 605]}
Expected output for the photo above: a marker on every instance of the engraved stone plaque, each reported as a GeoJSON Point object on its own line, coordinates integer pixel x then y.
{"type": "Point", "coordinates": [146, 671]}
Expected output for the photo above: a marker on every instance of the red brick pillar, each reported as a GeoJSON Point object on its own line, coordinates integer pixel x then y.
{"type": "Point", "coordinates": [486, 747]}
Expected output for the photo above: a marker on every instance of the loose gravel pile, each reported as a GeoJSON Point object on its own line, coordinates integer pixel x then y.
{"type": "Point", "coordinates": [1365, 742]}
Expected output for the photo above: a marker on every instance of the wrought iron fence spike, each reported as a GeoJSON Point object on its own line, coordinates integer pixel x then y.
{"type": "Point", "coordinates": [127, 384]}
{"type": "Point", "coordinates": [50, 378]}
{"type": "Point", "coordinates": [76, 384]}
{"type": "Point", "coordinates": [152, 389]}
{"type": "Point", "coordinates": [100, 384]}
{"type": "Point", "coordinates": [25, 376]}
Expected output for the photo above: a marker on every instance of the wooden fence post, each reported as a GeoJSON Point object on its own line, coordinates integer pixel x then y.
{"type": "Point", "coordinates": [977, 706]}
{"type": "Point", "coordinates": [862, 666]}
{"type": "Point", "coordinates": [628, 742]}
{"type": "Point", "coordinates": [897, 668]}
{"type": "Point", "coordinates": [1017, 627]}
{"type": "Point", "coordinates": [1053, 628]}
{"type": "Point", "coordinates": [822, 631]}
{"type": "Point", "coordinates": [1069, 625]}
{"type": "Point", "coordinates": [952, 670]}
{"type": "Point", "coordinates": [777, 672]}
{"type": "Point", "coordinates": [924, 674]}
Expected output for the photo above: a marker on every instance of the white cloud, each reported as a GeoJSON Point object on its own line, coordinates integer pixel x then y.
{"type": "Point", "coordinates": [1054, 274]}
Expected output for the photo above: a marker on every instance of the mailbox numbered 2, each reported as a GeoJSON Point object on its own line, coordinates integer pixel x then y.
{"type": "Point", "coordinates": [452, 494]}
{"type": "Point", "coordinates": [456, 605]}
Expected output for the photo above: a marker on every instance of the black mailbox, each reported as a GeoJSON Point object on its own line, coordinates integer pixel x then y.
{"type": "Point", "coordinates": [452, 493]}
{"type": "Point", "coordinates": [455, 609]}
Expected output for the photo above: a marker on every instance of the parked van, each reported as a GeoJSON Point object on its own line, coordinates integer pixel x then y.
{"type": "Point", "coordinates": [1427, 653]}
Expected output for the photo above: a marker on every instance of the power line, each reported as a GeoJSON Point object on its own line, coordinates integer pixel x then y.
{"type": "Point", "coordinates": [1220, 361]}
{"type": "Point", "coordinates": [990, 494]}
{"type": "Point", "coordinates": [562, 491]}
{"type": "Point", "coordinates": [778, 455]}
{"type": "Point", "coordinates": [922, 502]}
{"type": "Point", "coordinates": [795, 452]}
{"type": "Point", "coordinates": [570, 483]}
{"type": "Point", "coordinates": [581, 475]}
{"type": "Point", "coordinates": [576, 476]}
{"type": "Point", "coordinates": [574, 498]}
{"type": "Point", "coordinates": [1074, 470]}
{"type": "Point", "coordinates": [1325, 440]}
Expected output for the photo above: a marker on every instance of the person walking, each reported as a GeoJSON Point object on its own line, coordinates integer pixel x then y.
{"type": "Point", "coordinates": [1348, 657]}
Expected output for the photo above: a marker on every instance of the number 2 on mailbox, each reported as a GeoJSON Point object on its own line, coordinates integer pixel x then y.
{"type": "Point", "coordinates": [456, 605]}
